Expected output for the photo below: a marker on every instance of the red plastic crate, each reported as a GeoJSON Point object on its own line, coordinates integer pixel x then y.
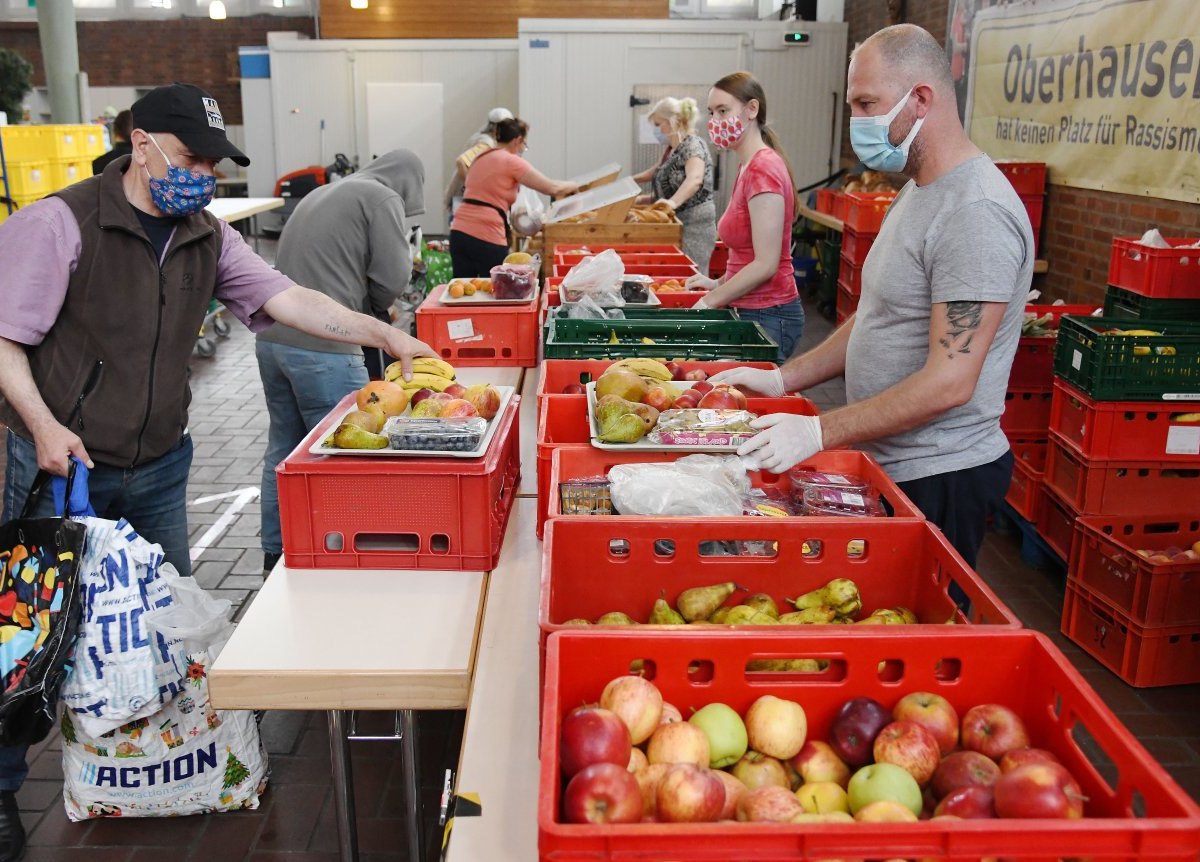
{"type": "Point", "coordinates": [1158, 273]}
{"type": "Point", "coordinates": [1105, 560]}
{"type": "Point", "coordinates": [850, 277]}
{"type": "Point", "coordinates": [1139, 814]}
{"type": "Point", "coordinates": [1026, 411]}
{"type": "Point", "coordinates": [865, 210]}
{"type": "Point", "coordinates": [673, 258]}
{"type": "Point", "coordinates": [847, 304]}
{"type": "Point", "coordinates": [1119, 487]}
{"type": "Point", "coordinates": [1128, 430]}
{"type": "Point", "coordinates": [1025, 490]}
{"type": "Point", "coordinates": [1142, 657]}
{"type": "Point", "coordinates": [839, 206]}
{"type": "Point", "coordinates": [856, 245]}
{"type": "Point", "coordinates": [655, 270]}
{"type": "Point", "coordinates": [480, 335]}
{"type": "Point", "coordinates": [389, 512]}
{"type": "Point", "coordinates": [718, 261]}
{"type": "Point", "coordinates": [1028, 178]}
{"type": "Point", "coordinates": [1056, 522]}
{"type": "Point", "coordinates": [669, 299]}
{"type": "Point", "coordinates": [1033, 363]}
{"type": "Point", "coordinates": [584, 463]}
{"type": "Point", "coordinates": [561, 422]}
{"type": "Point", "coordinates": [582, 250]}
{"type": "Point", "coordinates": [825, 200]}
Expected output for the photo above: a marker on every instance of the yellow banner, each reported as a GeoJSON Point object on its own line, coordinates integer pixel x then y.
{"type": "Point", "coordinates": [1106, 92]}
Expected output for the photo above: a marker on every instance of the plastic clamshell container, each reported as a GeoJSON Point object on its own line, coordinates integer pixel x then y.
{"type": "Point", "coordinates": [1105, 560]}
{"type": "Point", "coordinates": [398, 512]}
{"type": "Point", "coordinates": [1062, 712]}
{"type": "Point", "coordinates": [407, 432]}
{"type": "Point", "coordinates": [842, 503]}
{"type": "Point", "coordinates": [803, 478]}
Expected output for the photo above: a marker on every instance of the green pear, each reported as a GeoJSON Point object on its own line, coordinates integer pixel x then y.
{"type": "Point", "coordinates": [698, 603]}
{"type": "Point", "coordinates": [616, 618]}
{"type": "Point", "coordinates": [626, 428]}
{"type": "Point", "coordinates": [665, 615]}
{"type": "Point", "coordinates": [745, 615]}
{"type": "Point", "coordinates": [809, 616]}
{"type": "Point", "coordinates": [352, 437]}
{"type": "Point", "coordinates": [764, 603]}
{"type": "Point", "coordinates": [718, 616]}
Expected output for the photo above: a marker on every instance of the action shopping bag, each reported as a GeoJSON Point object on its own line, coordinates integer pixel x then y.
{"type": "Point", "coordinates": [39, 615]}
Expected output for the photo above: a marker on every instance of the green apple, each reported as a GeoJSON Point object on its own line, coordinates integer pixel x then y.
{"type": "Point", "coordinates": [884, 782]}
{"type": "Point", "coordinates": [726, 733]}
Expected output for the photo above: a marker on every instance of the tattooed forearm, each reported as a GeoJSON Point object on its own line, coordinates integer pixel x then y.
{"type": "Point", "coordinates": [334, 329]}
{"type": "Point", "coordinates": [963, 319]}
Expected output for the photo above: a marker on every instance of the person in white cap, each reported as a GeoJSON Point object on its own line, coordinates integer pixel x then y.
{"type": "Point", "coordinates": [481, 141]}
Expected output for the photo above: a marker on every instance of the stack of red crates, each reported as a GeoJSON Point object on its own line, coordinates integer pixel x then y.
{"type": "Point", "coordinates": [1124, 487]}
{"type": "Point", "coordinates": [862, 217]}
{"type": "Point", "coordinates": [1026, 419]}
{"type": "Point", "coordinates": [1029, 179]}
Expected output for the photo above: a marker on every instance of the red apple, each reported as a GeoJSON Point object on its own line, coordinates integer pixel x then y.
{"type": "Point", "coordinates": [734, 791]}
{"type": "Point", "coordinates": [592, 735]}
{"type": "Point", "coordinates": [670, 714]}
{"type": "Point", "coordinates": [678, 742]}
{"type": "Point", "coordinates": [419, 396]}
{"type": "Point", "coordinates": [696, 374]}
{"type": "Point", "coordinates": [686, 399]}
{"type": "Point", "coordinates": [602, 793]}
{"type": "Point", "coordinates": [676, 370]}
{"type": "Point", "coordinates": [658, 398]}
{"type": "Point", "coordinates": [973, 802]}
{"type": "Point", "coordinates": [459, 407]}
{"type": "Point", "coordinates": [485, 397]}
{"type": "Point", "coordinates": [637, 702]}
{"type": "Point", "coordinates": [994, 730]}
{"type": "Point", "coordinates": [690, 794]}
{"type": "Point", "coordinates": [1038, 790]}
{"type": "Point", "coordinates": [723, 398]}
{"type": "Point", "coordinates": [648, 778]}
{"type": "Point", "coordinates": [701, 386]}
{"type": "Point", "coordinates": [909, 746]}
{"type": "Point", "coordinates": [455, 390]}
{"type": "Point", "coordinates": [934, 713]}
{"type": "Point", "coordinates": [1021, 756]}
{"type": "Point", "coordinates": [817, 761]}
{"type": "Point", "coordinates": [769, 805]}
{"type": "Point", "coordinates": [574, 389]}
{"type": "Point", "coordinates": [854, 728]}
{"type": "Point", "coordinates": [964, 769]}
{"type": "Point", "coordinates": [759, 770]}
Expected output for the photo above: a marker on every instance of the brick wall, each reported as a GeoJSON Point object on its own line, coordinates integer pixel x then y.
{"type": "Point", "coordinates": [128, 53]}
{"type": "Point", "coordinates": [1077, 224]}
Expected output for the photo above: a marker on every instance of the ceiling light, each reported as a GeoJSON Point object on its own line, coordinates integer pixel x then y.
{"type": "Point", "coordinates": [358, 4]}
{"type": "Point", "coordinates": [216, 10]}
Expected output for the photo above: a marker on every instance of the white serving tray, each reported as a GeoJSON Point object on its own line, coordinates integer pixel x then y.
{"type": "Point", "coordinates": [481, 298]}
{"type": "Point", "coordinates": [319, 447]}
{"type": "Point", "coordinates": [642, 445]}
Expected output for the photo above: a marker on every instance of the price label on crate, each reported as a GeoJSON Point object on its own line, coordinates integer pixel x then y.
{"type": "Point", "coordinates": [460, 329]}
{"type": "Point", "coordinates": [1182, 440]}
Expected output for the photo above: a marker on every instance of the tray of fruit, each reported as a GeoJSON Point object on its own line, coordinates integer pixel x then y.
{"type": "Point", "coordinates": [480, 291]}
{"type": "Point", "coordinates": [429, 415]}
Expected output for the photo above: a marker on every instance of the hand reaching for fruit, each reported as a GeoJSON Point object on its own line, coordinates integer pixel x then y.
{"type": "Point", "coordinates": [701, 282]}
{"type": "Point", "coordinates": [406, 348]}
{"type": "Point", "coordinates": [767, 381]}
{"type": "Point", "coordinates": [785, 440]}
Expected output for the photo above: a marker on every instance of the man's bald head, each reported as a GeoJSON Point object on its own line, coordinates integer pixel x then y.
{"type": "Point", "coordinates": [910, 56]}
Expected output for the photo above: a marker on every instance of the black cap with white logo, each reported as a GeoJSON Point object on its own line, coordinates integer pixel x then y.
{"type": "Point", "coordinates": [190, 114]}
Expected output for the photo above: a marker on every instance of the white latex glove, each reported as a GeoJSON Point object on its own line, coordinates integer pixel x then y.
{"type": "Point", "coordinates": [766, 381]}
{"type": "Point", "coordinates": [700, 303]}
{"type": "Point", "coordinates": [700, 282]}
{"type": "Point", "coordinates": [786, 440]}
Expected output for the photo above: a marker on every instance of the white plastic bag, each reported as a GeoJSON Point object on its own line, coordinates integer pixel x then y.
{"type": "Point", "coordinates": [193, 622]}
{"type": "Point", "coordinates": [598, 276]}
{"type": "Point", "coordinates": [121, 672]}
{"type": "Point", "coordinates": [187, 758]}
{"type": "Point", "coordinates": [695, 486]}
{"type": "Point", "coordinates": [527, 213]}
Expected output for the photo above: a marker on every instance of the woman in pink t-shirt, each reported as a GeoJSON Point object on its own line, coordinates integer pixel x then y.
{"type": "Point", "coordinates": [479, 233]}
{"type": "Point", "coordinates": [757, 224]}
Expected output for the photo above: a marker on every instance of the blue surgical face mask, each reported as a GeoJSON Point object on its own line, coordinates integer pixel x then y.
{"type": "Point", "coordinates": [181, 192]}
{"type": "Point", "coordinates": [869, 138]}
{"type": "Point", "coordinates": [662, 137]}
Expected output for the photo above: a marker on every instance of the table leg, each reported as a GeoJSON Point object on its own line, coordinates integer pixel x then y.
{"type": "Point", "coordinates": [412, 783]}
{"type": "Point", "coordinates": [343, 787]}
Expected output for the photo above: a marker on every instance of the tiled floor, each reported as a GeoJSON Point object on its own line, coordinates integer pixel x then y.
{"type": "Point", "coordinates": [295, 822]}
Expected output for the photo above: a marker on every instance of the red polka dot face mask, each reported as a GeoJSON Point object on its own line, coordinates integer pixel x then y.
{"type": "Point", "coordinates": [725, 132]}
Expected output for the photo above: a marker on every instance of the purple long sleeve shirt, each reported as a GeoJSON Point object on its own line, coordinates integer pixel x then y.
{"type": "Point", "coordinates": [40, 246]}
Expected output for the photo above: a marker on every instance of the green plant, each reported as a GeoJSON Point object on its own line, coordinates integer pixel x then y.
{"type": "Point", "coordinates": [16, 80]}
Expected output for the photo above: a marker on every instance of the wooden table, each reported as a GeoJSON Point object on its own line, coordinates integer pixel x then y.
{"type": "Point", "coordinates": [835, 224]}
{"type": "Point", "coordinates": [337, 640]}
{"type": "Point", "coordinates": [499, 759]}
{"type": "Point", "coordinates": [236, 209]}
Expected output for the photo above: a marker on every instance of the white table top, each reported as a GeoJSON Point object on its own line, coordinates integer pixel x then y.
{"type": "Point", "coordinates": [528, 420]}
{"type": "Point", "coordinates": [499, 376]}
{"type": "Point", "coordinates": [499, 759]}
{"type": "Point", "coordinates": [235, 209]}
{"type": "Point", "coordinates": [354, 639]}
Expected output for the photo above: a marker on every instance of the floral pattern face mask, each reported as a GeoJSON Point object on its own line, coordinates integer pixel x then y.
{"type": "Point", "coordinates": [181, 192]}
{"type": "Point", "coordinates": [726, 132]}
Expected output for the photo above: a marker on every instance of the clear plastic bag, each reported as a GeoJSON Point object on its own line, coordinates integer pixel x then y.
{"type": "Point", "coordinates": [528, 213]}
{"type": "Point", "coordinates": [598, 276]}
{"type": "Point", "coordinates": [586, 309]}
{"type": "Point", "coordinates": [513, 280]}
{"type": "Point", "coordinates": [698, 426]}
{"type": "Point", "coordinates": [695, 486]}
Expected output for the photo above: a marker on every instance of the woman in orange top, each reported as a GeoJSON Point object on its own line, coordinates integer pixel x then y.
{"type": "Point", "coordinates": [479, 234]}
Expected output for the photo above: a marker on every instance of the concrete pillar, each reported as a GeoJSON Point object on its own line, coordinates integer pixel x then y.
{"type": "Point", "coordinates": [60, 54]}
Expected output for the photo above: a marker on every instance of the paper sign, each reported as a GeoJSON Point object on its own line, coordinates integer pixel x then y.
{"type": "Point", "coordinates": [1183, 440]}
{"type": "Point", "coordinates": [461, 328]}
{"type": "Point", "coordinates": [1076, 359]}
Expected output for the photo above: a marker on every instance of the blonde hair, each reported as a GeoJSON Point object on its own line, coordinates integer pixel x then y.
{"type": "Point", "coordinates": [680, 113]}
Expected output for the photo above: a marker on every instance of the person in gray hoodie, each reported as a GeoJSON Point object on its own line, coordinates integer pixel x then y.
{"type": "Point", "coordinates": [348, 240]}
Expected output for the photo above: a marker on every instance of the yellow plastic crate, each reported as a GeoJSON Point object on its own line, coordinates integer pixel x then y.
{"type": "Point", "coordinates": [61, 141]}
{"type": "Point", "coordinates": [20, 201]}
{"type": "Point", "coordinates": [28, 178]}
{"type": "Point", "coordinates": [65, 172]}
{"type": "Point", "coordinates": [91, 141]}
{"type": "Point", "coordinates": [21, 143]}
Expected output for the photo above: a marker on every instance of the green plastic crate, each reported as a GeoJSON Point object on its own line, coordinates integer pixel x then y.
{"type": "Point", "coordinates": [1127, 305]}
{"type": "Point", "coordinates": [559, 312]}
{"type": "Point", "coordinates": [673, 339]}
{"type": "Point", "coordinates": [1129, 367]}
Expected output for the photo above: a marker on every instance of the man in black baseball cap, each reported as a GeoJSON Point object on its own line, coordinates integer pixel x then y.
{"type": "Point", "coordinates": [190, 114]}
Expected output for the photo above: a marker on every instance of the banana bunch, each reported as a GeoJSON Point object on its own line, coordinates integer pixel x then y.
{"type": "Point", "coordinates": [427, 373]}
{"type": "Point", "coordinates": [644, 367]}
{"type": "Point", "coordinates": [1185, 417]}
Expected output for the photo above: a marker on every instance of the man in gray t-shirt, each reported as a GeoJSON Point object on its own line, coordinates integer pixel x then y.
{"type": "Point", "coordinates": [927, 356]}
